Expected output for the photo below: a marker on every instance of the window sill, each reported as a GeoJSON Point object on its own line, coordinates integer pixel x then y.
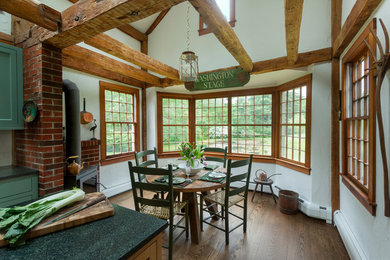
{"type": "Point", "coordinates": [256, 158]}
{"type": "Point", "coordinates": [117, 158]}
{"type": "Point", "coordinates": [359, 194]}
{"type": "Point", "coordinates": [204, 31]}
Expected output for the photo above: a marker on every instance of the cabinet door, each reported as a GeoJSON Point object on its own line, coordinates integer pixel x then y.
{"type": "Point", "coordinates": [11, 87]}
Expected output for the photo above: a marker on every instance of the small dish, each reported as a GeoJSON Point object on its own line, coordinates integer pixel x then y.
{"type": "Point", "coordinates": [217, 175]}
{"type": "Point", "coordinates": [174, 167]}
{"type": "Point", "coordinates": [177, 180]}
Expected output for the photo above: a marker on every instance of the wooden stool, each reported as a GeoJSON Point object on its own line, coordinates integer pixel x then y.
{"type": "Point", "coordinates": [268, 182]}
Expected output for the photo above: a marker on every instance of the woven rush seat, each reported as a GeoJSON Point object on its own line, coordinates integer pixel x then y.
{"type": "Point", "coordinates": [162, 212]}
{"type": "Point", "coordinates": [219, 197]}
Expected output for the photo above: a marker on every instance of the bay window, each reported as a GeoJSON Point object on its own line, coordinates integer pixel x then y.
{"type": "Point", "coordinates": [252, 121]}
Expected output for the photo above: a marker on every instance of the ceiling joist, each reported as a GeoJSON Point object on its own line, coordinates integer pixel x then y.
{"type": "Point", "coordinates": [216, 22]}
{"type": "Point", "coordinates": [33, 11]}
{"type": "Point", "coordinates": [304, 59]}
{"type": "Point", "coordinates": [293, 16]}
{"type": "Point", "coordinates": [132, 32]}
{"type": "Point", "coordinates": [98, 70]}
{"type": "Point", "coordinates": [359, 14]}
{"type": "Point", "coordinates": [114, 47]}
{"type": "Point", "coordinates": [111, 64]}
{"type": "Point", "coordinates": [89, 18]}
{"type": "Point", "coordinates": [157, 21]}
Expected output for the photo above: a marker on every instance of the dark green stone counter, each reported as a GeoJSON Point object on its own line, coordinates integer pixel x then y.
{"type": "Point", "coordinates": [114, 237]}
{"type": "Point", "coordinates": [7, 172]}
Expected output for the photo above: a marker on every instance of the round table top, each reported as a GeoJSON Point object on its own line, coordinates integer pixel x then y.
{"type": "Point", "coordinates": [267, 181]}
{"type": "Point", "coordinates": [196, 185]}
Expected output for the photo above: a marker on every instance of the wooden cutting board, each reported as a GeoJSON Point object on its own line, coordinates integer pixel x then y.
{"type": "Point", "coordinates": [100, 210]}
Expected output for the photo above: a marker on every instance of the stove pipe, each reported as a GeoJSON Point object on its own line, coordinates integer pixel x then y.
{"type": "Point", "coordinates": [72, 117]}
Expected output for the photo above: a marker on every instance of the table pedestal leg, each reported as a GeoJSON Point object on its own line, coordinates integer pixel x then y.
{"type": "Point", "coordinates": [193, 214]}
{"type": "Point", "coordinates": [212, 209]}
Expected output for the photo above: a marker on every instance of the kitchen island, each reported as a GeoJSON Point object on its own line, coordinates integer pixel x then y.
{"type": "Point", "coordinates": [126, 235]}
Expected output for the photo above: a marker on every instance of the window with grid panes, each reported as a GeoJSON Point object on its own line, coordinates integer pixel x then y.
{"type": "Point", "coordinates": [252, 124]}
{"type": "Point", "coordinates": [119, 120]}
{"type": "Point", "coordinates": [293, 119]}
{"type": "Point", "coordinates": [175, 123]}
{"type": "Point", "coordinates": [359, 121]}
{"type": "Point", "coordinates": [211, 122]}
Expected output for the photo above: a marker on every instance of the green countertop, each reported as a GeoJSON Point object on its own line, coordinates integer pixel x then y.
{"type": "Point", "coordinates": [11, 171]}
{"type": "Point", "coordinates": [114, 237]}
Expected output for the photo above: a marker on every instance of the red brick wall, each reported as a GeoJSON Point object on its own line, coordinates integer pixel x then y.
{"type": "Point", "coordinates": [40, 144]}
{"type": "Point", "coordinates": [90, 152]}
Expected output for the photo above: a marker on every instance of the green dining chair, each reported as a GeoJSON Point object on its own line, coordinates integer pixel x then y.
{"type": "Point", "coordinates": [222, 151]}
{"type": "Point", "coordinates": [147, 163]}
{"type": "Point", "coordinates": [161, 208]}
{"type": "Point", "coordinates": [229, 197]}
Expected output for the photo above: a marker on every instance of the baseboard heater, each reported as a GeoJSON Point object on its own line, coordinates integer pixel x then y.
{"type": "Point", "coordinates": [353, 247]}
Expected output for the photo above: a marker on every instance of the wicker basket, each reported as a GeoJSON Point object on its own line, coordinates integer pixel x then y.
{"type": "Point", "coordinates": [288, 202]}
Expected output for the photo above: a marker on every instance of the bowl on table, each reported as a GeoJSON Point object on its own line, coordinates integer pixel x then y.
{"type": "Point", "coordinates": [194, 170]}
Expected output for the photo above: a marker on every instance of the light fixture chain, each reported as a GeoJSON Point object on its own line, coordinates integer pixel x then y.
{"type": "Point", "coordinates": [188, 26]}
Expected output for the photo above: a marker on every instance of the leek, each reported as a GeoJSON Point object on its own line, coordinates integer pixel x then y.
{"type": "Point", "coordinates": [16, 221]}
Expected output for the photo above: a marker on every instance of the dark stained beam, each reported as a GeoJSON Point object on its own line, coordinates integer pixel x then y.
{"type": "Point", "coordinates": [111, 64]}
{"type": "Point", "coordinates": [114, 47]}
{"type": "Point", "coordinates": [34, 12]}
{"type": "Point", "coordinates": [98, 70]}
{"type": "Point", "coordinates": [131, 31]}
{"type": "Point", "coordinates": [89, 18]}
{"type": "Point", "coordinates": [359, 14]}
{"type": "Point", "coordinates": [216, 22]}
{"type": "Point", "coordinates": [304, 59]}
{"type": "Point", "coordinates": [157, 21]}
{"type": "Point", "coordinates": [335, 111]}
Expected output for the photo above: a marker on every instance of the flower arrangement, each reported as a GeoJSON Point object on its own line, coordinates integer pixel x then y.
{"type": "Point", "coordinates": [192, 152]}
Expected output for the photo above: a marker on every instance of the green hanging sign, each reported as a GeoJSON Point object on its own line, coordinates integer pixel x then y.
{"type": "Point", "coordinates": [219, 79]}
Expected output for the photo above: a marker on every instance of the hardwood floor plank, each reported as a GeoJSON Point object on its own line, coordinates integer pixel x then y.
{"type": "Point", "coordinates": [270, 235]}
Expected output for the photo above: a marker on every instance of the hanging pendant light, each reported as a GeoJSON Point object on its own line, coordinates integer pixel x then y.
{"type": "Point", "coordinates": [188, 60]}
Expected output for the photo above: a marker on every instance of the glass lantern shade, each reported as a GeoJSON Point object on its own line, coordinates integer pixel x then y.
{"type": "Point", "coordinates": [188, 66]}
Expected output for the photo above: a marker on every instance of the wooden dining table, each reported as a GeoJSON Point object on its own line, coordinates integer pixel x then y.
{"type": "Point", "coordinates": [190, 194]}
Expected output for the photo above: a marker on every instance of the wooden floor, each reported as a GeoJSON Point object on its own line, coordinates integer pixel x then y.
{"type": "Point", "coordinates": [270, 235]}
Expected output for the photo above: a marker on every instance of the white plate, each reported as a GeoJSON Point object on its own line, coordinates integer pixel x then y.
{"type": "Point", "coordinates": [174, 167]}
{"type": "Point", "coordinates": [177, 180]}
{"type": "Point", "coordinates": [217, 175]}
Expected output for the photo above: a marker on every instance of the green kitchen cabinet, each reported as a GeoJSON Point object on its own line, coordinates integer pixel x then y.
{"type": "Point", "coordinates": [17, 185]}
{"type": "Point", "coordinates": [11, 87]}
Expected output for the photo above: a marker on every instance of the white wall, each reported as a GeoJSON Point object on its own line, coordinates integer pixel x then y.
{"type": "Point", "coordinates": [259, 26]}
{"type": "Point", "coordinates": [372, 232]}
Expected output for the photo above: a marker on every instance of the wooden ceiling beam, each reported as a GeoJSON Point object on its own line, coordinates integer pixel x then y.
{"type": "Point", "coordinates": [216, 22]}
{"type": "Point", "coordinates": [281, 63]}
{"type": "Point", "coordinates": [293, 17]}
{"type": "Point", "coordinates": [131, 31]}
{"type": "Point", "coordinates": [98, 70]}
{"type": "Point", "coordinates": [157, 21]}
{"type": "Point", "coordinates": [33, 11]}
{"type": "Point", "coordinates": [359, 14]}
{"type": "Point", "coordinates": [118, 49]}
{"type": "Point", "coordinates": [7, 38]}
{"type": "Point", "coordinates": [111, 64]}
{"type": "Point", "coordinates": [304, 59]}
{"type": "Point", "coordinates": [89, 18]}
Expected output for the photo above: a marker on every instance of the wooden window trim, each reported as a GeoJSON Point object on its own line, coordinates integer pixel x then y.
{"type": "Point", "coordinates": [306, 80]}
{"type": "Point", "coordinates": [365, 195]}
{"type": "Point", "coordinates": [274, 158]}
{"type": "Point", "coordinates": [232, 20]}
{"type": "Point", "coordinates": [106, 160]}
